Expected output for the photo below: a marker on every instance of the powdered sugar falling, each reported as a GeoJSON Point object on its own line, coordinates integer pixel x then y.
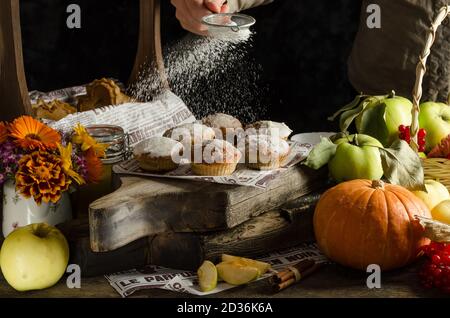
{"type": "Point", "coordinates": [211, 74]}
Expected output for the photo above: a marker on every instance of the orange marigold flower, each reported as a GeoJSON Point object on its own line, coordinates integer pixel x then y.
{"type": "Point", "coordinates": [66, 159]}
{"type": "Point", "coordinates": [31, 134]}
{"type": "Point", "coordinates": [81, 137]}
{"type": "Point", "coordinates": [41, 176]}
{"type": "Point", "coordinates": [94, 166]}
{"type": "Point", "coordinates": [3, 131]}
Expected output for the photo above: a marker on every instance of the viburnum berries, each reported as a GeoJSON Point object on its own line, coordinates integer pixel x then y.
{"type": "Point", "coordinates": [405, 134]}
{"type": "Point", "coordinates": [436, 271]}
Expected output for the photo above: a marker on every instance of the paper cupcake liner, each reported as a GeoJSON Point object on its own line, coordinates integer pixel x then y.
{"type": "Point", "coordinates": [265, 166]}
{"type": "Point", "coordinates": [273, 164]}
{"type": "Point", "coordinates": [157, 164]}
{"type": "Point", "coordinates": [215, 169]}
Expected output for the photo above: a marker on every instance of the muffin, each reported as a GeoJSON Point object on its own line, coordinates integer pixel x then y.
{"type": "Point", "coordinates": [267, 127]}
{"type": "Point", "coordinates": [228, 126]}
{"type": "Point", "coordinates": [215, 158]}
{"type": "Point", "coordinates": [158, 154]}
{"type": "Point", "coordinates": [265, 152]}
{"type": "Point", "coordinates": [193, 133]}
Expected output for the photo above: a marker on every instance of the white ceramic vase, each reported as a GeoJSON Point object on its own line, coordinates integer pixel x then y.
{"type": "Point", "coordinates": [19, 211]}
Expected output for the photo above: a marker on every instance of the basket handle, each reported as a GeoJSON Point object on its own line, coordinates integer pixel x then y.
{"type": "Point", "coordinates": [420, 73]}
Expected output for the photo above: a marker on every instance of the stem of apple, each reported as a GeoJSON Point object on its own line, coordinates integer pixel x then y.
{"type": "Point", "coordinates": [355, 140]}
{"type": "Point", "coordinates": [391, 94]}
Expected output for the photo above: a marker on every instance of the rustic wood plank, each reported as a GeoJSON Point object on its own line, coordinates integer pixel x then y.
{"type": "Point", "coordinates": [13, 86]}
{"type": "Point", "coordinates": [149, 52]}
{"type": "Point", "coordinates": [147, 206]}
{"type": "Point", "coordinates": [262, 234]}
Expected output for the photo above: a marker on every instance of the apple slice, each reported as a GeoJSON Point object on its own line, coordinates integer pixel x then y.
{"type": "Point", "coordinates": [261, 266]}
{"type": "Point", "coordinates": [237, 274]}
{"type": "Point", "coordinates": [207, 276]}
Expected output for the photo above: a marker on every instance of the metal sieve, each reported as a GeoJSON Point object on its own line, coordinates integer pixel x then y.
{"type": "Point", "coordinates": [229, 21]}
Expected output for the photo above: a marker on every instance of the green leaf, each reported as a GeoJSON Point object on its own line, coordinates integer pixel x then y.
{"type": "Point", "coordinates": [402, 166]}
{"type": "Point", "coordinates": [349, 112]}
{"type": "Point", "coordinates": [321, 154]}
{"type": "Point", "coordinates": [372, 123]}
{"type": "Point", "coordinates": [348, 107]}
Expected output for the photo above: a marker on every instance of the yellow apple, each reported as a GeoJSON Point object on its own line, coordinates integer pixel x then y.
{"type": "Point", "coordinates": [34, 257]}
{"type": "Point", "coordinates": [207, 276]}
{"type": "Point", "coordinates": [237, 274]}
{"type": "Point", "coordinates": [261, 266]}
{"type": "Point", "coordinates": [441, 212]}
{"type": "Point", "coordinates": [436, 193]}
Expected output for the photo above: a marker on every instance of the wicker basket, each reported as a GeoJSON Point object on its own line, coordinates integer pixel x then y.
{"type": "Point", "coordinates": [434, 168]}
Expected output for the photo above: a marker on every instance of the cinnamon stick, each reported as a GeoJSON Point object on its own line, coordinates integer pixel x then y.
{"type": "Point", "coordinates": [288, 274]}
{"type": "Point", "coordinates": [278, 285]}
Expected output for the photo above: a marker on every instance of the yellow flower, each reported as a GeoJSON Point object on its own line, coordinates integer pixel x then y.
{"type": "Point", "coordinates": [81, 137]}
{"type": "Point", "coordinates": [66, 160]}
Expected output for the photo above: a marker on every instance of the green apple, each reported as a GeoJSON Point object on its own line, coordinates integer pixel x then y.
{"type": "Point", "coordinates": [435, 119]}
{"type": "Point", "coordinates": [382, 117]}
{"type": "Point", "coordinates": [34, 257]}
{"type": "Point", "coordinates": [435, 194]}
{"type": "Point", "coordinates": [356, 157]}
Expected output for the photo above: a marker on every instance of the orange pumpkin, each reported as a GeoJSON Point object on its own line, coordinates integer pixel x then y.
{"type": "Point", "coordinates": [362, 222]}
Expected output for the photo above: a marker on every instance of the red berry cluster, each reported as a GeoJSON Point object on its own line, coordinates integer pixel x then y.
{"type": "Point", "coordinates": [436, 271]}
{"type": "Point", "coordinates": [405, 134]}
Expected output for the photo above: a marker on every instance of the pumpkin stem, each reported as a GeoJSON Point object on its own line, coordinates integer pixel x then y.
{"type": "Point", "coordinates": [377, 184]}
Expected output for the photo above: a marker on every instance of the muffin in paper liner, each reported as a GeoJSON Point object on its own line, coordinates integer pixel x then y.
{"type": "Point", "coordinates": [191, 133]}
{"type": "Point", "coordinates": [213, 169]}
{"type": "Point", "coordinates": [265, 152]}
{"type": "Point", "coordinates": [161, 164]}
{"type": "Point", "coordinates": [157, 154]}
{"type": "Point", "coordinates": [218, 158]}
{"type": "Point", "coordinates": [226, 126]}
{"type": "Point", "coordinates": [267, 127]}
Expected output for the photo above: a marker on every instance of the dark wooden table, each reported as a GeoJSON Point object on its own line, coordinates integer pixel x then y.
{"type": "Point", "coordinates": [331, 281]}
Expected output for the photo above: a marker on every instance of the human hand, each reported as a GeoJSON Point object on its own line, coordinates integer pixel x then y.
{"type": "Point", "coordinates": [191, 12]}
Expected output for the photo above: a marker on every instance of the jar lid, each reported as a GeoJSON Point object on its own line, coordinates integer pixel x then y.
{"type": "Point", "coordinates": [114, 137]}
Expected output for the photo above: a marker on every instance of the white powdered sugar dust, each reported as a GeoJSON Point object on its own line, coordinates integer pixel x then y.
{"type": "Point", "coordinates": [211, 74]}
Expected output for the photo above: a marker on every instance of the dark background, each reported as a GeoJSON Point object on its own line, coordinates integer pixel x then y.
{"type": "Point", "coordinates": [301, 45]}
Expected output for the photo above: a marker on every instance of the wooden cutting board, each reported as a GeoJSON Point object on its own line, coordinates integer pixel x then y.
{"type": "Point", "coordinates": [143, 207]}
{"type": "Point", "coordinates": [271, 231]}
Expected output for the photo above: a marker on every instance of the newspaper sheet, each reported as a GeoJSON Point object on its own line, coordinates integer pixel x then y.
{"type": "Point", "coordinates": [242, 176]}
{"type": "Point", "coordinates": [139, 120]}
{"type": "Point", "coordinates": [128, 282]}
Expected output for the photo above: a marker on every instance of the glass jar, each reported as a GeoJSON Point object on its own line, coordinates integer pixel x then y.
{"type": "Point", "coordinates": [116, 139]}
